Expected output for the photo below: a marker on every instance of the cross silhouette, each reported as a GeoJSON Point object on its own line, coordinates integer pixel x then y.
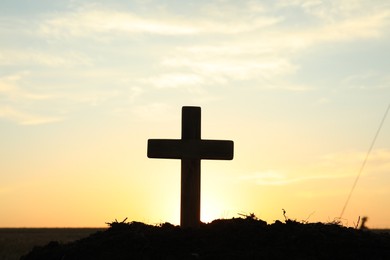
{"type": "Point", "coordinates": [190, 149]}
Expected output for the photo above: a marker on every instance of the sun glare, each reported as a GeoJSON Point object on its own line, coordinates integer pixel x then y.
{"type": "Point", "coordinates": [210, 211]}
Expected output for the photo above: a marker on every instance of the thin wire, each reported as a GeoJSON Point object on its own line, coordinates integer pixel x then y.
{"type": "Point", "coordinates": [365, 161]}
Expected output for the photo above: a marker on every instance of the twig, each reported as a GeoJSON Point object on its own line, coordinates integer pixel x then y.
{"type": "Point", "coordinates": [357, 224]}
{"type": "Point", "coordinates": [284, 214]}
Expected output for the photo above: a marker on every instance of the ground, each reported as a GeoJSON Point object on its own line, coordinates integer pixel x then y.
{"type": "Point", "coordinates": [237, 238]}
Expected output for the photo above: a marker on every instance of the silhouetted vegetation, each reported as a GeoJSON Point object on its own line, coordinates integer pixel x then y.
{"type": "Point", "coordinates": [237, 238]}
{"type": "Point", "coordinates": [15, 242]}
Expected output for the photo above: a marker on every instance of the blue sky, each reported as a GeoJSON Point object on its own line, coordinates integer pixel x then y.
{"type": "Point", "coordinates": [300, 86]}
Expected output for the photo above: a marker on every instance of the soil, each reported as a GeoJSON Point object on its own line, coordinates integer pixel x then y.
{"type": "Point", "coordinates": [237, 238]}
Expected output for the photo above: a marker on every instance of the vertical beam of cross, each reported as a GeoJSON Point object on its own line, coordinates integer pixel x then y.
{"type": "Point", "coordinates": [190, 149]}
{"type": "Point", "coordinates": [190, 170]}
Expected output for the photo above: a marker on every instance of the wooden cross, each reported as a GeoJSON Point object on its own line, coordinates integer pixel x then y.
{"type": "Point", "coordinates": [190, 149]}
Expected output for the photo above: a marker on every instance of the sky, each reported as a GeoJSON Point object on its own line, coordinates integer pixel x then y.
{"type": "Point", "coordinates": [299, 86]}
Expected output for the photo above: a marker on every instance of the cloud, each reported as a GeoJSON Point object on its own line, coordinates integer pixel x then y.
{"type": "Point", "coordinates": [265, 64]}
{"type": "Point", "coordinates": [264, 50]}
{"type": "Point", "coordinates": [155, 112]}
{"type": "Point", "coordinates": [349, 162]}
{"type": "Point", "coordinates": [341, 165]}
{"type": "Point", "coordinates": [360, 27]}
{"type": "Point", "coordinates": [10, 89]}
{"type": "Point", "coordinates": [81, 24]}
{"type": "Point", "coordinates": [267, 55]}
{"type": "Point", "coordinates": [32, 57]}
{"type": "Point", "coordinates": [368, 80]}
{"type": "Point", "coordinates": [333, 21]}
{"type": "Point", "coordinates": [329, 11]}
{"type": "Point", "coordinates": [15, 97]}
{"type": "Point", "coordinates": [24, 118]}
{"type": "Point", "coordinates": [196, 69]}
{"type": "Point", "coordinates": [233, 68]}
{"type": "Point", "coordinates": [174, 80]}
{"type": "Point", "coordinates": [268, 24]}
{"type": "Point", "coordinates": [219, 43]}
{"type": "Point", "coordinates": [102, 20]}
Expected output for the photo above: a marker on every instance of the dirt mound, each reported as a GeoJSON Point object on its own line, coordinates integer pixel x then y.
{"type": "Point", "coordinates": [236, 238]}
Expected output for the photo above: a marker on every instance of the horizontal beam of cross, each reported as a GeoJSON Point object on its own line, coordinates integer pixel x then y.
{"type": "Point", "coordinates": [190, 149]}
